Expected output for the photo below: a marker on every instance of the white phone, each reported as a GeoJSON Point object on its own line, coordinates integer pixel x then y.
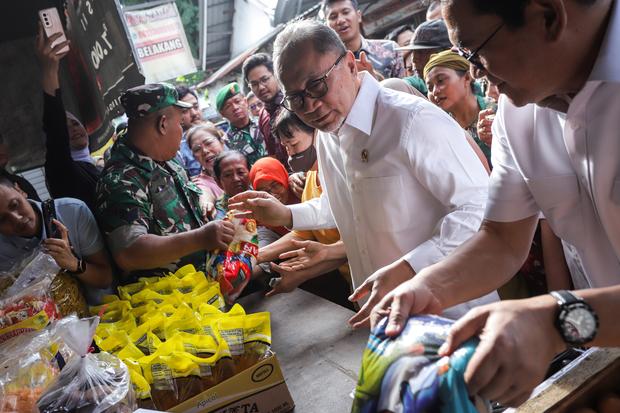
{"type": "Point", "coordinates": [51, 25]}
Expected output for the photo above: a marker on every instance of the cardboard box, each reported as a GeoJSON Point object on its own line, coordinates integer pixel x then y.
{"type": "Point", "coordinates": [259, 389]}
{"type": "Point", "coordinates": [581, 383]}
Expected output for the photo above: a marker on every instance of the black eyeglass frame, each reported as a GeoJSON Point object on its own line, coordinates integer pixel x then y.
{"type": "Point", "coordinates": [300, 96]}
{"type": "Point", "coordinates": [472, 57]}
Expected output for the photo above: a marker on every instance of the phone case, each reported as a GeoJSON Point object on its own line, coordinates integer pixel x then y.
{"type": "Point", "coordinates": [49, 213]}
{"type": "Point", "coordinates": [51, 25]}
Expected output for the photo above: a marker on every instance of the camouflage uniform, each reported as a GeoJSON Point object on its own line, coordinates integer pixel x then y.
{"type": "Point", "coordinates": [249, 141]}
{"type": "Point", "coordinates": [137, 195]}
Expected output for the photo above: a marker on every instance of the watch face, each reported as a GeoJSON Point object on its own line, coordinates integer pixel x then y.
{"type": "Point", "coordinates": [578, 323]}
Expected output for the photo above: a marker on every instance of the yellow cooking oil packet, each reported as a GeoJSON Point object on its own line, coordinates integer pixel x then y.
{"type": "Point", "coordinates": [141, 387]}
{"type": "Point", "coordinates": [212, 296]}
{"type": "Point", "coordinates": [130, 352]}
{"type": "Point", "coordinates": [110, 312]}
{"type": "Point", "coordinates": [185, 271]}
{"type": "Point", "coordinates": [210, 314]}
{"type": "Point", "coordinates": [125, 292]}
{"type": "Point", "coordinates": [149, 280]}
{"type": "Point", "coordinates": [184, 319]}
{"type": "Point", "coordinates": [173, 378]}
{"type": "Point", "coordinates": [248, 337]}
{"type": "Point", "coordinates": [110, 298]}
{"type": "Point", "coordinates": [164, 286]}
{"type": "Point", "coordinates": [144, 334]}
{"type": "Point", "coordinates": [165, 309]}
{"type": "Point", "coordinates": [114, 343]}
{"type": "Point", "coordinates": [128, 323]}
{"type": "Point", "coordinates": [147, 296]}
{"type": "Point", "coordinates": [200, 345]}
{"type": "Point", "coordinates": [190, 283]}
{"type": "Point", "coordinates": [139, 312]}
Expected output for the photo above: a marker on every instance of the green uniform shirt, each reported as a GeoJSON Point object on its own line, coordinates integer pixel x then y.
{"type": "Point", "coordinates": [137, 196]}
{"type": "Point", "coordinates": [249, 141]}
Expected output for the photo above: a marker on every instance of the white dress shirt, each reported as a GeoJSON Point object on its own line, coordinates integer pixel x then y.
{"type": "Point", "coordinates": [399, 181]}
{"type": "Point", "coordinates": [567, 166]}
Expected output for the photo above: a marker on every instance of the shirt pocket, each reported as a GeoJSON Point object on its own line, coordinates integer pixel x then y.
{"type": "Point", "coordinates": [384, 206]}
{"type": "Point", "coordinates": [559, 198]}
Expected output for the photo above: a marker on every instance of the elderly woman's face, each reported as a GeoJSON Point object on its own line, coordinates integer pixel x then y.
{"type": "Point", "coordinates": [235, 176]}
{"type": "Point", "coordinates": [274, 188]}
{"type": "Point", "coordinates": [205, 148]}
{"type": "Point", "coordinates": [446, 87]}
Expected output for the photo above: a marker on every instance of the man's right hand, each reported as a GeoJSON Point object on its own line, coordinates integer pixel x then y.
{"type": "Point", "coordinates": [216, 235]}
{"type": "Point", "coordinates": [265, 208]}
{"type": "Point", "coordinates": [376, 287]}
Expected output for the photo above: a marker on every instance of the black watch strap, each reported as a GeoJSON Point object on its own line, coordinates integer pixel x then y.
{"type": "Point", "coordinates": [565, 297]}
{"type": "Point", "coordinates": [81, 268]}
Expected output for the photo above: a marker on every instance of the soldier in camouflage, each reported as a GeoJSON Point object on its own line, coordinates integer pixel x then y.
{"type": "Point", "coordinates": [147, 208]}
{"type": "Point", "coordinates": [243, 133]}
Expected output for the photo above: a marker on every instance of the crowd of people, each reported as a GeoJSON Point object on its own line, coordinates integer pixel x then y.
{"type": "Point", "coordinates": [386, 175]}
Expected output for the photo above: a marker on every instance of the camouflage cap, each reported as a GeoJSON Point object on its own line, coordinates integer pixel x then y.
{"type": "Point", "coordinates": [143, 100]}
{"type": "Point", "coordinates": [226, 93]}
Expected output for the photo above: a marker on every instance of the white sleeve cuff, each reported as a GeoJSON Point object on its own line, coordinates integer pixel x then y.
{"type": "Point", "coordinates": [424, 255]}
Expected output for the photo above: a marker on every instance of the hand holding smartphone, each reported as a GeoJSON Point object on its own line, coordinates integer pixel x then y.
{"type": "Point", "coordinates": [50, 20]}
{"type": "Point", "coordinates": [49, 214]}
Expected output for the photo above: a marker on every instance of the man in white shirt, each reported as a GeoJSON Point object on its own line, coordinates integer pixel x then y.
{"type": "Point", "coordinates": [400, 182]}
{"type": "Point", "coordinates": [556, 151]}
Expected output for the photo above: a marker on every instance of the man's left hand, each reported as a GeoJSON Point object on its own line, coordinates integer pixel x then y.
{"type": "Point", "coordinates": [60, 249]}
{"type": "Point", "coordinates": [517, 343]}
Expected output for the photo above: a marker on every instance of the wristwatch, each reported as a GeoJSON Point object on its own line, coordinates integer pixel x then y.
{"type": "Point", "coordinates": [576, 320]}
{"type": "Point", "coordinates": [81, 268]}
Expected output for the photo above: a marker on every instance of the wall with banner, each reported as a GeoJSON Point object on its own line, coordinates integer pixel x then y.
{"type": "Point", "coordinates": [160, 43]}
{"type": "Point", "coordinates": [99, 67]}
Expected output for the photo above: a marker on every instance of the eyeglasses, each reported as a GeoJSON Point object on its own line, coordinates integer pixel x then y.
{"type": "Point", "coordinates": [315, 89]}
{"type": "Point", "coordinates": [472, 57]}
{"type": "Point", "coordinates": [256, 106]}
{"type": "Point", "coordinates": [262, 81]}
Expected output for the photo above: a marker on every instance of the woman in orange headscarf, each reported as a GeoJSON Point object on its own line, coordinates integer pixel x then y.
{"type": "Point", "coordinates": [269, 175]}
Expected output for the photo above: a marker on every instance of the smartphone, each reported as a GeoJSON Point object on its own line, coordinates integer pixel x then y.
{"type": "Point", "coordinates": [52, 25]}
{"type": "Point", "coordinates": [49, 214]}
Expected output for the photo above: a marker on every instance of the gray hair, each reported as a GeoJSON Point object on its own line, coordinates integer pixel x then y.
{"type": "Point", "coordinates": [294, 35]}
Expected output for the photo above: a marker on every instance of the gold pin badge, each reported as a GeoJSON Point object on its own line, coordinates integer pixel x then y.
{"type": "Point", "coordinates": [364, 155]}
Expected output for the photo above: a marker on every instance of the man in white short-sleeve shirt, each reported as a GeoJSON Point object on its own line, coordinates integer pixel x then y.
{"type": "Point", "coordinates": [556, 150]}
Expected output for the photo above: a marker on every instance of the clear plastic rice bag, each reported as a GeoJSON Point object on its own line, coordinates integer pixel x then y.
{"type": "Point", "coordinates": [405, 374]}
{"type": "Point", "coordinates": [89, 383]}
{"type": "Point", "coordinates": [28, 364]}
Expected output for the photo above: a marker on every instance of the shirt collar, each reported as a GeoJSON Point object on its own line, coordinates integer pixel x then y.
{"type": "Point", "coordinates": [362, 112]}
{"type": "Point", "coordinates": [246, 128]}
{"type": "Point", "coordinates": [607, 66]}
{"type": "Point", "coordinates": [365, 45]}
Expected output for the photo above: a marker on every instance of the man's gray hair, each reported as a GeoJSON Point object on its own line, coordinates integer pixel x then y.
{"type": "Point", "coordinates": [322, 38]}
